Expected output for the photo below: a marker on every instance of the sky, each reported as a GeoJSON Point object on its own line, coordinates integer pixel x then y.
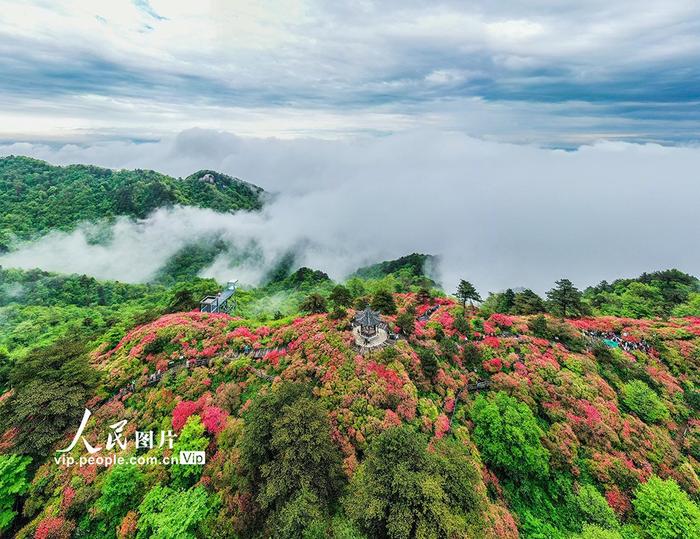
{"type": "Point", "coordinates": [551, 73]}
{"type": "Point", "coordinates": [521, 141]}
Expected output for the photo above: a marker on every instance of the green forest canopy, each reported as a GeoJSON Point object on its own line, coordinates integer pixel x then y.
{"type": "Point", "coordinates": [36, 197]}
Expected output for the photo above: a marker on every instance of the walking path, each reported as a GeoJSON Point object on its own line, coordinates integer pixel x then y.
{"type": "Point", "coordinates": [616, 340]}
{"type": "Point", "coordinates": [182, 363]}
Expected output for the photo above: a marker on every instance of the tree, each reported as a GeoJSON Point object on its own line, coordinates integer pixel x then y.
{"type": "Point", "coordinates": [5, 368]}
{"type": "Point", "coordinates": [508, 437]}
{"type": "Point", "coordinates": [82, 193]}
{"type": "Point", "coordinates": [467, 292]}
{"type": "Point", "coordinates": [51, 387]}
{"type": "Point", "coordinates": [303, 515]}
{"type": "Point", "coordinates": [461, 323]}
{"type": "Point", "coordinates": [428, 362]}
{"type": "Point", "coordinates": [361, 302]}
{"type": "Point", "coordinates": [403, 490]}
{"type": "Point", "coordinates": [665, 511]}
{"type": "Point", "coordinates": [255, 444]}
{"type": "Point", "coordinates": [591, 531]}
{"type": "Point", "coordinates": [356, 287]}
{"type": "Point", "coordinates": [643, 401]}
{"type": "Point", "coordinates": [527, 302]}
{"type": "Point", "coordinates": [383, 301]}
{"type": "Point", "coordinates": [642, 301]}
{"type": "Point", "coordinates": [13, 484]}
{"type": "Point", "coordinates": [594, 509]}
{"type": "Point", "coordinates": [406, 321]}
{"type": "Point", "coordinates": [314, 304]}
{"type": "Point", "coordinates": [185, 296]}
{"type": "Point", "coordinates": [423, 296]}
{"type": "Point", "coordinates": [190, 439]}
{"type": "Point", "coordinates": [506, 301]}
{"type": "Point", "coordinates": [120, 492]}
{"type": "Point", "coordinates": [167, 513]}
{"type": "Point", "coordinates": [471, 355]}
{"type": "Point", "coordinates": [341, 296]}
{"type": "Point", "coordinates": [565, 299]}
{"type": "Point", "coordinates": [691, 308]}
{"type": "Point", "coordinates": [345, 528]}
{"type": "Point", "coordinates": [539, 327]}
{"type": "Point", "coordinates": [338, 313]}
{"type": "Point", "coordinates": [660, 293]}
{"type": "Point", "coordinates": [292, 466]}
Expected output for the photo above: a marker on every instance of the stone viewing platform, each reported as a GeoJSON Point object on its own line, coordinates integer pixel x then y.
{"type": "Point", "coordinates": [369, 330]}
{"type": "Point", "coordinates": [378, 339]}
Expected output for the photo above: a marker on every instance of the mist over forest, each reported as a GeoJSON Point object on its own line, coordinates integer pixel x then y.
{"type": "Point", "coordinates": [506, 215]}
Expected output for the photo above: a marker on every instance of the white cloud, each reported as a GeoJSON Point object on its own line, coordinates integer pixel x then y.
{"type": "Point", "coordinates": [498, 214]}
{"type": "Point", "coordinates": [446, 76]}
{"type": "Point", "coordinates": [514, 30]}
{"type": "Point", "coordinates": [81, 68]}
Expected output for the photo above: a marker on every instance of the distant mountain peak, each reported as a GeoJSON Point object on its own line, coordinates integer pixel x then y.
{"type": "Point", "coordinates": [413, 265]}
{"type": "Point", "coordinates": [213, 177]}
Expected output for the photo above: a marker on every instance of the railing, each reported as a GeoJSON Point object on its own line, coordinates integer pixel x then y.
{"type": "Point", "coordinates": [427, 314]}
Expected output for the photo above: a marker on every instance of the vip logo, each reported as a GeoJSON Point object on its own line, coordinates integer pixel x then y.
{"type": "Point", "coordinates": [192, 457]}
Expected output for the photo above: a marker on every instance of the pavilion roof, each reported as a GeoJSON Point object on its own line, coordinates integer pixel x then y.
{"type": "Point", "coordinates": [368, 317]}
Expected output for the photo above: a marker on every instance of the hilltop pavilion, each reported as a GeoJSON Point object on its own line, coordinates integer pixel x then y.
{"type": "Point", "coordinates": [369, 329]}
{"type": "Point", "coordinates": [368, 322]}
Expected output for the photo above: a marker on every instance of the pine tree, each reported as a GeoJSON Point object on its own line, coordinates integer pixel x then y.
{"type": "Point", "coordinates": [423, 296]}
{"type": "Point", "coordinates": [314, 304]}
{"type": "Point", "coordinates": [428, 362]}
{"type": "Point", "coordinates": [467, 292]}
{"type": "Point", "coordinates": [341, 296]}
{"type": "Point", "coordinates": [471, 356]}
{"type": "Point", "coordinates": [565, 299]}
{"type": "Point", "coordinates": [383, 301]}
{"type": "Point", "coordinates": [539, 327]}
{"type": "Point", "coordinates": [527, 302]}
{"type": "Point", "coordinates": [406, 321]}
{"type": "Point", "coordinates": [506, 301]}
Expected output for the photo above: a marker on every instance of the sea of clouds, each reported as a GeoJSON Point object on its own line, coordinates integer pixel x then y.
{"type": "Point", "coordinates": [498, 214]}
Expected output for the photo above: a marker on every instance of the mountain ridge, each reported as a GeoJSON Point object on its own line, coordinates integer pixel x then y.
{"type": "Point", "coordinates": [37, 197]}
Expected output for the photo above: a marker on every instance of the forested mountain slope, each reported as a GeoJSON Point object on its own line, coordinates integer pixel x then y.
{"type": "Point", "coordinates": [467, 425]}
{"type": "Point", "coordinates": [522, 416]}
{"type": "Point", "coordinates": [36, 197]}
{"type": "Point", "coordinates": [414, 265]}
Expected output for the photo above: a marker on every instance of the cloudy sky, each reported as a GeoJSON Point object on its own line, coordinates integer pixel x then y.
{"type": "Point", "coordinates": [553, 73]}
{"type": "Point", "coordinates": [521, 141]}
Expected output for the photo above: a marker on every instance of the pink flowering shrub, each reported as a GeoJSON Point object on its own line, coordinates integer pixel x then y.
{"type": "Point", "coordinates": [185, 408]}
{"type": "Point", "coordinates": [128, 527]}
{"type": "Point", "coordinates": [501, 320]}
{"type": "Point", "coordinates": [182, 412]}
{"type": "Point", "coordinates": [442, 426]}
{"type": "Point", "coordinates": [214, 419]}
{"type": "Point", "coordinates": [493, 365]}
{"type": "Point", "coordinates": [54, 528]}
{"type": "Point", "coordinates": [67, 500]}
{"type": "Point", "coordinates": [493, 342]}
{"type": "Point", "coordinates": [618, 501]}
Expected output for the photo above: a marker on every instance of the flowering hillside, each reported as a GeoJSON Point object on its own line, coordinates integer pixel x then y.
{"type": "Point", "coordinates": [462, 426]}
